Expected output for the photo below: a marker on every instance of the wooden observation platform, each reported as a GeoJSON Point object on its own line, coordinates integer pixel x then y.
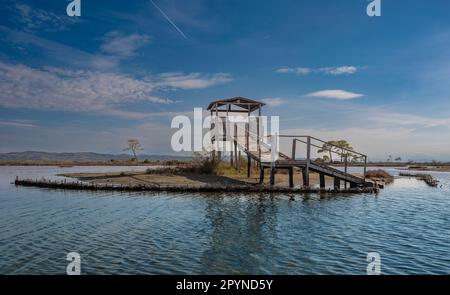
{"type": "Point", "coordinates": [238, 125]}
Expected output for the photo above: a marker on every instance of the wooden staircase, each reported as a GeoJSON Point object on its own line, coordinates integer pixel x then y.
{"type": "Point", "coordinates": [266, 157]}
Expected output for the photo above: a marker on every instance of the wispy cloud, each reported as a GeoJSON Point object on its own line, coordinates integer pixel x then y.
{"type": "Point", "coordinates": [18, 123]}
{"type": "Point", "coordinates": [58, 52]}
{"type": "Point", "coordinates": [335, 71]}
{"type": "Point", "coordinates": [35, 19]}
{"type": "Point", "coordinates": [169, 20]}
{"type": "Point", "coordinates": [119, 44]}
{"type": "Point", "coordinates": [81, 91]}
{"type": "Point", "coordinates": [273, 102]}
{"type": "Point", "coordinates": [299, 71]}
{"type": "Point", "coordinates": [115, 47]}
{"type": "Point", "coordinates": [343, 70]}
{"type": "Point", "coordinates": [52, 88]}
{"type": "Point", "coordinates": [335, 94]}
{"type": "Point", "coordinates": [192, 80]}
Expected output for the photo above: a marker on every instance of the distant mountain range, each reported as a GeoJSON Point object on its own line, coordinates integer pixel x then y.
{"type": "Point", "coordinates": [82, 156]}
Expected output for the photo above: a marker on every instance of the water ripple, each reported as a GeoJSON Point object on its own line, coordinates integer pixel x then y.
{"type": "Point", "coordinates": [182, 233]}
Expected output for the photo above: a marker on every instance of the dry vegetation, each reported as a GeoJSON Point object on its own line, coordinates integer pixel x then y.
{"type": "Point", "coordinates": [380, 175]}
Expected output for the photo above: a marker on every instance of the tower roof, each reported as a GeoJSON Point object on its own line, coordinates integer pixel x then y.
{"type": "Point", "coordinates": [245, 103]}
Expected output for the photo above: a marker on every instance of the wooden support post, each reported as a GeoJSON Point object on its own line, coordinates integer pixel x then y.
{"type": "Point", "coordinates": [239, 161]}
{"type": "Point", "coordinates": [308, 161]}
{"type": "Point", "coordinates": [345, 169]}
{"type": "Point", "coordinates": [212, 141]}
{"type": "Point", "coordinates": [345, 164]}
{"type": "Point", "coordinates": [258, 145]}
{"type": "Point", "coordinates": [235, 147]}
{"type": "Point", "coordinates": [294, 146]}
{"type": "Point", "coordinates": [247, 147]}
{"type": "Point", "coordinates": [337, 183]}
{"type": "Point", "coordinates": [322, 180]}
{"type": "Point", "coordinates": [231, 159]}
{"type": "Point", "coordinates": [305, 182]}
{"type": "Point", "coordinates": [291, 177]}
{"type": "Point", "coordinates": [247, 134]}
{"type": "Point", "coordinates": [272, 176]}
{"type": "Point", "coordinates": [261, 175]}
{"type": "Point", "coordinates": [365, 166]}
{"type": "Point", "coordinates": [224, 129]}
{"type": "Point", "coordinates": [235, 156]}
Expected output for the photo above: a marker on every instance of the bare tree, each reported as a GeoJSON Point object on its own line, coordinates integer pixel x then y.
{"type": "Point", "coordinates": [133, 146]}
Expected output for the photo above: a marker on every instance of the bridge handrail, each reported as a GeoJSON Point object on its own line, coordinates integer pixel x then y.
{"type": "Point", "coordinates": [315, 138]}
{"type": "Point", "coordinates": [309, 144]}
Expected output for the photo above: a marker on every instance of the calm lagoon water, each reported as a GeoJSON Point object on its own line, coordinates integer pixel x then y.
{"type": "Point", "coordinates": [168, 233]}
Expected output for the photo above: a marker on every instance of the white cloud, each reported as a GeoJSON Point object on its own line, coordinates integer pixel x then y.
{"type": "Point", "coordinates": [273, 102]}
{"type": "Point", "coordinates": [336, 71]}
{"type": "Point", "coordinates": [339, 70]}
{"type": "Point", "coordinates": [335, 94]}
{"type": "Point", "coordinates": [118, 44]}
{"type": "Point", "coordinates": [299, 71]}
{"type": "Point", "coordinates": [18, 123]}
{"type": "Point", "coordinates": [192, 80]}
{"type": "Point", "coordinates": [53, 88]}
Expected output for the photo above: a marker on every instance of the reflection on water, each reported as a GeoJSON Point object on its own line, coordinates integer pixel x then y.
{"type": "Point", "coordinates": [249, 225]}
{"type": "Point", "coordinates": [162, 233]}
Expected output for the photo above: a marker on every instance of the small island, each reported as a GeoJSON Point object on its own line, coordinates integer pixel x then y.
{"type": "Point", "coordinates": [199, 174]}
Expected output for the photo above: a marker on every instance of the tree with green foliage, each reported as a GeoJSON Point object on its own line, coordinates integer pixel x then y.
{"type": "Point", "coordinates": [341, 147]}
{"type": "Point", "coordinates": [344, 148]}
{"type": "Point", "coordinates": [327, 147]}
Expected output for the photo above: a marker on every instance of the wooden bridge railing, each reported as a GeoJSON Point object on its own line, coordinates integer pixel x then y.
{"type": "Point", "coordinates": [329, 147]}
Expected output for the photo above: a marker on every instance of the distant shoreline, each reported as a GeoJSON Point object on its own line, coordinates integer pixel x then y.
{"type": "Point", "coordinates": [73, 163]}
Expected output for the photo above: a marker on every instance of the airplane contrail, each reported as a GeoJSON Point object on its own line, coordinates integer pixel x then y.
{"type": "Point", "coordinates": [169, 20]}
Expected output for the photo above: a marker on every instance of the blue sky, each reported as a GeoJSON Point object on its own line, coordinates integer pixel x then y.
{"type": "Point", "coordinates": [122, 70]}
